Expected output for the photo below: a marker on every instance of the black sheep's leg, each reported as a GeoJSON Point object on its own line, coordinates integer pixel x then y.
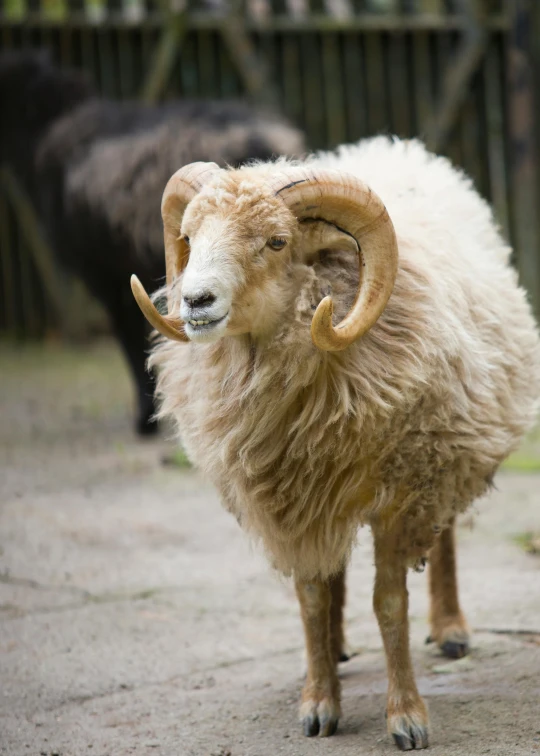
{"type": "Point", "coordinates": [132, 332]}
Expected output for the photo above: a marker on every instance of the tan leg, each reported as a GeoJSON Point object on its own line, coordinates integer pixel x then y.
{"type": "Point", "coordinates": [407, 716]}
{"type": "Point", "coordinates": [337, 606]}
{"type": "Point", "coordinates": [319, 710]}
{"type": "Point", "coordinates": [448, 625]}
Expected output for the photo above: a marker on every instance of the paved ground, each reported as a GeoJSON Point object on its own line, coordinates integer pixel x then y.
{"type": "Point", "coordinates": [136, 619]}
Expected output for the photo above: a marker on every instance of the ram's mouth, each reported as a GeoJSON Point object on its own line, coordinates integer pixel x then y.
{"type": "Point", "coordinates": [204, 324]}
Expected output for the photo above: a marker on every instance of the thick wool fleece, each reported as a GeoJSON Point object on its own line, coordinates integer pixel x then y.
{"type": "Point", "coordinates": [409, 424]}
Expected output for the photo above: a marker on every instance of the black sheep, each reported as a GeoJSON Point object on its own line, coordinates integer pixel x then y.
{"type": "Point", "coordinates": [96, 170]}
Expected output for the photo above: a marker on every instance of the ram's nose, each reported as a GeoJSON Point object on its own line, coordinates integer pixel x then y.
{"type": "Point", "coordinates": [199, 299]}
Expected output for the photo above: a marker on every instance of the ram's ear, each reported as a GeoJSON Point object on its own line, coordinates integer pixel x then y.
{"type": "Point", "coordinates": [318, 235]}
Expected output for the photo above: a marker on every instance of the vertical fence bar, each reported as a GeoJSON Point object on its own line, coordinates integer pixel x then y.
{"type": "Point", "coordinates": [292, 85]}
{"type": "Point", "coordinates": [9, 288]}
{"type": "Point", "coordinates": [228, 80]}
{"type": "Point", "coordinates": [376, 83]}
{"type": "Point", "coordinates": [494, 106]}
{"type": "Point", "coordinates": [355, 85]}
{"type": "Point", "coordinates": [467, 135]}
{"type": "Point", "coordinates": [398, 73]}
{"type": "Point", "coordinates": [523, 146]}
{"type": "Point", "coordinates": [334, 101]}
{"type": "Point", "coordinates": [312, 91]}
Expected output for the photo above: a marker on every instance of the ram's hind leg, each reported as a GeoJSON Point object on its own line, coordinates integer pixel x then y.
{"type": "Point", "coordinates": [448, 626]}
{"type": "Point", "coordinates": [407, 717]}
{"type": "Point", "coordinates": [319, 710]}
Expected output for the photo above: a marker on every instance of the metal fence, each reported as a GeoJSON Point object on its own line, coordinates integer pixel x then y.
{"type": "Point", "coordinates": [447, 71]}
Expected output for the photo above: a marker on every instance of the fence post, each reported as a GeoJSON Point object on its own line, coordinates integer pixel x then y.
{"type": "Point", "coordinates": [456, 87]}
{"type": "Point", "coordinates": [250, 65]}
{"type": "Point", "coordinates": [172, 35]}
{"type": "Point", "coordinates": [68, 318]}
{"type": "Point", "coordinates": [523, 144]}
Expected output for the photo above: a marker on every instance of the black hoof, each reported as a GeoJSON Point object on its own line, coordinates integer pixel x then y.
{"type": "Point", "coordinates": [416, 738]}
{"type": "Point", "coordinates": [325, 727]}
{"type": "Point", "coordinates": [328, 727]}
{"type": "Point", "coordinates": [146, 426]}
{"type": "Point", "coordinates": [403, 743]}
{"type": "Point", "coordinates": [310, 726]}
{"type": "Point", "coordinates": [343, 657]}
{"type": "Point", "coordinates": [454, 650]}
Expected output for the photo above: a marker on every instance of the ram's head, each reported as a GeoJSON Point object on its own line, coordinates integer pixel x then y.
{"type": "Point", "coordinates": [233, 234]}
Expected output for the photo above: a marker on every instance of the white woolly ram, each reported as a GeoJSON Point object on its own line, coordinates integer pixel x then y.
{"type": "Point", "coordinates": [396, 417]}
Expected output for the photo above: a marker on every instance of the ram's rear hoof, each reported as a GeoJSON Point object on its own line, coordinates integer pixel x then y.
{"type": "Point", "coordinates": [455, 649]}
{"type": "Point", "coordinates": [346, 652]}
{"type": "Point", "coordinates": [452, 636]}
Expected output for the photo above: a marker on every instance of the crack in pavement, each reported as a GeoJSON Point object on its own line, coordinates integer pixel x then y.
{"type": "Point", "coordinates": [88, 598]}
{"type": "Point", "coordinates": [8, 579]}
{"type": "Point", "coordinates": [125, 688]}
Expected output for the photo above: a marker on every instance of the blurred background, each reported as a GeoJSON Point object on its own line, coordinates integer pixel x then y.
{"type": "Point", "coordinates": [101, 100]}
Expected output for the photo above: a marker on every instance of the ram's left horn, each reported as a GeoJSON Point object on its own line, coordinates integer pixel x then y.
{"type": "Point", "coordinates": [168, 325]}
{"type": "Point", "coordinates": [346, 202]}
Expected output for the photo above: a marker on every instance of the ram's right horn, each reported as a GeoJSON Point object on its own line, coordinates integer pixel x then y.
{"type": "Point", "coordinates": [167, 325]}
{"type": "Point", "coordinates": [180, 190]}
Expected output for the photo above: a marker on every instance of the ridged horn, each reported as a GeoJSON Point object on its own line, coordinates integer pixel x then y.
{"type": "Point", "coordinates": [351, 205]}
{"type": "Point", "coordinates": [180, 190]}
{"type": "Point", "coordinates": [167, 325]}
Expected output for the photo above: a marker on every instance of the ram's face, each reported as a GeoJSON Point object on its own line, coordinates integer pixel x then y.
{"type": "Point", "coordinates": [240, 234]}
{"type": "Point", "coordinates": [239, 252]}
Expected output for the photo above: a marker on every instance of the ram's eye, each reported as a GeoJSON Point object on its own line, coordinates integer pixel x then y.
{"type": "Point", "coordinates": [276, 242]}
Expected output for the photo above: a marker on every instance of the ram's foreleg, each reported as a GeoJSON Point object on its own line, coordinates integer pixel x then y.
{"type": "Point", "coordinates": [448, 625]}
{"type": "Point", "coordinates": [319, 709]}
{"type": "Point", "coordinates": [407, 717]}
{"type": "Point", "coordinates": [340, 650]}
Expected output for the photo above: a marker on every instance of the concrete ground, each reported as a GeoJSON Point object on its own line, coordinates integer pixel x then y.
{"type": "Point", "coordinates": [135, 617]}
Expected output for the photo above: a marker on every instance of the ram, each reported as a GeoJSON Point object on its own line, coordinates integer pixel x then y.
{"type": "Point", "coordinates": [351, 363]}
{"type": "Point", "coordinates": [96, 168]}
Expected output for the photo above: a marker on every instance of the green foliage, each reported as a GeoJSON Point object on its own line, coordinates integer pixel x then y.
{"type": "Point", "coordinates": [177, 458]}
{"type": "Point", "coordinates": [528, 541]}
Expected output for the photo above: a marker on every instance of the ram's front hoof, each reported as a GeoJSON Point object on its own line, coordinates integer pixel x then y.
{"type": "Point", "coordinates": [319, 717]}
{"type": "Point", "coordinates": [409, 727]}
{"type": "Point", "coordinates": [413, 740]}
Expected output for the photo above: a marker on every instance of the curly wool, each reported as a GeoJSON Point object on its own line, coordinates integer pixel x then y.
{"type": "Point", "coordinates": [410, 423]}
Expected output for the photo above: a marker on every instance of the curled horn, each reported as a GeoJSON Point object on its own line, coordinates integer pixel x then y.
{"type": "Point", "coordinates": [348, 203]}
{"type": "Point", "coordinates": [180, 190]}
